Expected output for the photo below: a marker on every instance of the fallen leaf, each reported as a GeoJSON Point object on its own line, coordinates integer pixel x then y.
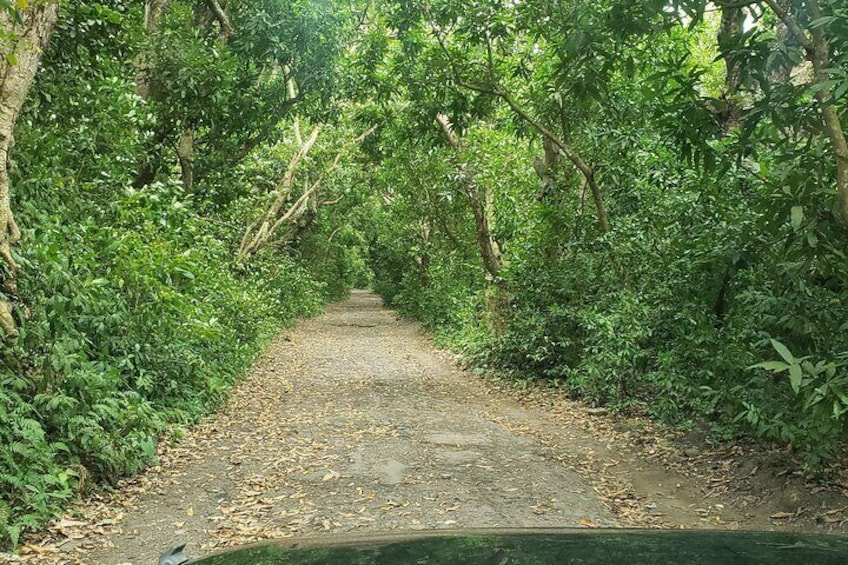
{"type": "Point", "coordinates": [588, 523]}
{"type": "Point", "coordinates": [39, 549]}
{"type": "Point", "coordinates": [65, 523]}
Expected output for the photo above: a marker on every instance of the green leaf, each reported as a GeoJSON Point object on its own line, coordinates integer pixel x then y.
{"type": "Point", "coordinates": [60, 446]}
{"type": "Point", "coordinates": [812, 239]}
{"type": "Point", "coordinates": [795, 377]}
{"type": "Point", "coordinates": [823, 21]}
{"type": "Point", "coordinates": [185, 273]}
{"type": "Point", "coordinates": [14, 533]}
{"type": "Point", "coordinates": [841, 91]}
{"type": "Point", "coordinates": [783, 351]}
{"type": "Point", "coordinates": [797, 217]}
{"type": "Point", "coordinates": [776, 366]}
{"type": "Point", "coordinates": [839, 394]}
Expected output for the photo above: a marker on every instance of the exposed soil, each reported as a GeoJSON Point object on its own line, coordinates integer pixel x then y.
{"type": "Point", "coordinates": [353, 422]}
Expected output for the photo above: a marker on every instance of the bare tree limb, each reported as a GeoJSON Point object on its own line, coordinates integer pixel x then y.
{"type": "Point", "coordinates": [262, 231]}
{"type": "Point", "coordinates": [447, 129]}
{"type": "Point", "coordinates": [292, 95]}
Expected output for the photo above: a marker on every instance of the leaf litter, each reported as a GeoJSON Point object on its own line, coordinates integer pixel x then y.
{"type": "Point", "coordinates": [333, 432]}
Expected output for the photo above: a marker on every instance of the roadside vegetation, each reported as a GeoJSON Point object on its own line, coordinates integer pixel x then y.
{"type": "Point", "coordinates": [642, 202]}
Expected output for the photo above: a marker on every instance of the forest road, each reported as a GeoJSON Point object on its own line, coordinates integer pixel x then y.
{"type": "Point", "coordinates": [352, 422]}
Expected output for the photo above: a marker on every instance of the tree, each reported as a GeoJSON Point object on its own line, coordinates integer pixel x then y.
{"type": "Point", "coordinates": [811, 29]}
{"type": "Point", "coordinates": [217, 77]}
{"type": "Point", "coordinates": [480, 200]}
{"type": "Point", "coordinates": [24, 33]}
{"type": "Point", "coordinates": [289, 214]}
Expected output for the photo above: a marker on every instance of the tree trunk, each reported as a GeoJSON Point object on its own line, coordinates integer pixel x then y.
{"type": "Point", "coordinates": [840, 147]}
{"type": "Point", "coordinates": [818, 53]}
{"type": "Point", "coordinates": [223, 21]}
{"type": "Point", "coordinates": [27, 44]}
{"type": "Point", "coordinates": [423, 257]}
{"type": "Point", "coordinates": [147, 169]}
{"type": "Point", "coordinates": [259, 232]}
{"type": "Point", "coordinates": [489, 249]}
{"type": "Point", "coordinates": [562, 144]}
{"type": "Point", "coordinates": [299, 215]}
{"type": "Point", "coordinates": [185, 152]}
{"type": "Point", "coordinates": [299, 227]}
{"type": "Point", "coordinates": [153, 11]}
{"type": "Point", "coordinates": [820, 57]}
{"type": "Point", "coordinates": [732, 20]}
{"type": "Point", "coordinates": [496, 297]}
{"type": "Point", "coordinates": [585, 169]}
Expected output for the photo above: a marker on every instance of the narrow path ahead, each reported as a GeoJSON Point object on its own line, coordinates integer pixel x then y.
{"type": "Point", "coordinates": [351, 423]}
{"type": "Point", "coordinates": [354, 423]}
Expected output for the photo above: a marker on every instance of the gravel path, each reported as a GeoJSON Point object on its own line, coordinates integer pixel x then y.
{"type": "Point", "coordinates": [350, 423]}
{"type": "Point", "coordinates": [354, 423]}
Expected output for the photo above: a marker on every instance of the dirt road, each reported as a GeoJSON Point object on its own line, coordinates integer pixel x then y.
{"type": "Point", "coordinates": [354, 423]}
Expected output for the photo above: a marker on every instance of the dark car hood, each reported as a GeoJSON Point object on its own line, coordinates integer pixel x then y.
{"type": "Point", "coordinates": [543, 547]}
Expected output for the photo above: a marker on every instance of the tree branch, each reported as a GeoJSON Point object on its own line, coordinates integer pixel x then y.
{"type": "Point", "coordinates": [792, 26]}
{"type": "Point", "coordinates": [587, 171]}
{"type": "Point", "coordinates": [447, 129]}
{"type": "Point", "coordinates": [292, 95]}
{"type": "Point", "coordinates": [260, 232]}
{"type": "Point", "coordinates": [735, 5]}
{"type": "Point", "coordinates": [223, 20]}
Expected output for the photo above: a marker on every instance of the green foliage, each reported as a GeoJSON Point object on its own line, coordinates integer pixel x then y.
{"type": "Point", "coordinates": [819, 392]}
{"type": "Point", "coordinates": [134, 315]}
{"type": "Point", "coordinates": [133, 326]}
{"type": "Point", "coordinates": [711, 158]}
{"type": "Point", "coordinates": [723, 233]}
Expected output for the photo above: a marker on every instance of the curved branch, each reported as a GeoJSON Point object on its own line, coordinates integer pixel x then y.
{"type": "Point", "coordinates": [792, 25]}
{"type": "Point", "coordinates": [585, 169]}
{"type": "Point", "coordinates": [223, 20]}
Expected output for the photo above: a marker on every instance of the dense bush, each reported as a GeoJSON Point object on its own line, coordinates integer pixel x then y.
{"type": "Point", "coordinates": [718, 295]}
{"type": "Point", "coordinates": [134, 312]}
{"type": "Point", "coordinates": [136, 321]}
{"type": "Point", "coordinates": [667, 314]}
